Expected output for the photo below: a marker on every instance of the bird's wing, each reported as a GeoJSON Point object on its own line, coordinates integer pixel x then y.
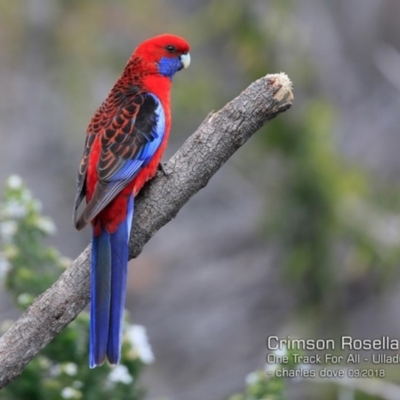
{"type": "Point", "coordinates": [81, 181]}
{"type": "Point", "coordinates": [128, 142]}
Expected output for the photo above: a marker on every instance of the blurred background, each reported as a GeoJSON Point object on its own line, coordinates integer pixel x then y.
{"type": "Point", "coordinates": [298, 234]}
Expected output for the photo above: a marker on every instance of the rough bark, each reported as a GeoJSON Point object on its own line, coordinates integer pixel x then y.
{"type": "Point", "coordinates": [189, 170]}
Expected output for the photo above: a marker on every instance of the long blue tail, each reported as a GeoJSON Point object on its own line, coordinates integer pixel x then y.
{"type": "Point", "coordinates": [108, 289]}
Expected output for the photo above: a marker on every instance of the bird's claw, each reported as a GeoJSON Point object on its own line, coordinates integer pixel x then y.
{"type": "Point", "coordinates": [161, 167]}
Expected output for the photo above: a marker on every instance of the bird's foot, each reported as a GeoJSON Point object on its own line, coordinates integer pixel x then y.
{"type": "Point", "coordinates": [161, 167]}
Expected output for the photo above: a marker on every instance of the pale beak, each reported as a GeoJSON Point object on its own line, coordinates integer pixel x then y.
{"type": "Point", "coordinates": [185, 58]}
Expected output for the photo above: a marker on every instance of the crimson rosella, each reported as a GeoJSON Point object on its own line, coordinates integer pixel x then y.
{"type": "Point", "coordinates": [125, 141]}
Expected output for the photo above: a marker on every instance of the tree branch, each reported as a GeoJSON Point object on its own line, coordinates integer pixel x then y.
{"type": "Point", "coordinates": [189, 170]}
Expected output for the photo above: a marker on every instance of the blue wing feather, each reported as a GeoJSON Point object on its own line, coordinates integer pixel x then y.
{"type": "Point", "coordinates": [131, 167]}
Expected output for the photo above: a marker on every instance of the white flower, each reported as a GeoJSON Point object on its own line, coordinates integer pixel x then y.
{"type": "Point", "coordinates": [301, 367]}
{"type": "Point", "coordinates": [55, 370]}
{"type": "Point", "coordinates": [14, 182]}
{"type": "Point", "coordinates": [24, 299]}
{"type": "Point", "coordinates": [70, 368]}
{"type": "Point", "coordinates": [137, 335]}
{"type": "Point", "coordinates": [14, 209]}
{"type": "Point", "coordinates": [46, 225]}
{"type": "Point", "coordinates": [64, 262]}
{"type": "Point", "coordinates": [4, 266]}
{"type": "Point", "coordinates": [77, 384]}
{"type": "Point", "coordinates": [120, 374]}
{"type": "Point", "coordinates": [281, 351]}
{"type": "Point", "coordinates": [71, 393]}
{"type": "Point", "coordinates": [10, 251]}
{"type": "Point", "coordinates": [271, 368]}
{"type": "Point", "coordinates": [304, 367]}
{"type": "Point", "coordinates": [251, 378]}
{"type": "Point", "coordinates": [8, 229]}
{"type": "Point", "coordinates": [26, 198]}
{"type": "Point", "coordinates": [44, 362]}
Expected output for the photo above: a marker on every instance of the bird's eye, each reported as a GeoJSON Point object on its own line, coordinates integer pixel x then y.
{"type": "Point", "coordinates": [170, 48]}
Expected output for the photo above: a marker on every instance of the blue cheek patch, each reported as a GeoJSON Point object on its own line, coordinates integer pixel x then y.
{"type": "Point", "coordinates": [169, 66]}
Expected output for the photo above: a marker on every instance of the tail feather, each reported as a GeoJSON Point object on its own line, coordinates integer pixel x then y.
{"type": "Point", "coordinates": [101, 298]}
{"type": "Point", "coordinates": [119, 250]}
{"type": "Point", "coordinates": [107, 322]}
